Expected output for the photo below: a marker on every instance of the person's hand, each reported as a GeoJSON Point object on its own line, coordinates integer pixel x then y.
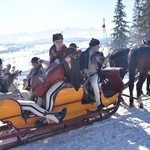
{"type": "Point", "coordinates": [106, 61]}
{"type": "Point", "coordinates": [68, 59]}
{"type": "Point", "coordinates": [86, 71]}
{"type": "Point", "coordinates": [41, 61]}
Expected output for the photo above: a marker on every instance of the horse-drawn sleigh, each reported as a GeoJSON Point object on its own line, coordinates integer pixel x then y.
{"type": "Point", "coordinates": [17, 130]}
{"type": "Point", "coordinates": [78, 113]}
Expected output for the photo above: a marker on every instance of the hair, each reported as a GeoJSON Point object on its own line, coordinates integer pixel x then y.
{"type": "Point", "coordinates": [34, 60]}
{"type": "Point", "coordinates": [94, 42]}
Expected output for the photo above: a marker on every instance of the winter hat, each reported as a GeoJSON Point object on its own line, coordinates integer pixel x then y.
{"type": "Point", "coordinates": [94, 42]}
{"type": "Point", "coordinates": [73, 45]}
{"type": "Point", "coordinates": [1, 61]}
{"type": "Point", "coordinates": [57, 36]}
{"type": "Point", "coordinates": [34, 60]}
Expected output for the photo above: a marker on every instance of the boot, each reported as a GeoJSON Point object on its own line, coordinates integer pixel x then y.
{"type": "Point", "coordinates": [62, 114]}
{"type": "Point", "coordinates": [100, 107]}
{"type": "Point", "coordinates": [41, 122]}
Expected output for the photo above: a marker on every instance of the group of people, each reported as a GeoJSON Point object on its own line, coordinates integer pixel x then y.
{"type": "Point", "coordinates": [74, 69]}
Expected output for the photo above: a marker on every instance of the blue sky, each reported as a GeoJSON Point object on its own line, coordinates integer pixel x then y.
{"type": "Point", "coordinates": [39, 15]}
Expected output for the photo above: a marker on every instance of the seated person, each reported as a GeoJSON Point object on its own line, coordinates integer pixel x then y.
{"type": "Point", "coordinates": [92, 69]}
{"type": "Point", "coordinates": [7, 83]}
{"type": "Point", "coordinates": [34, 108]}
{"type": "Point", "coordinates": [37, 69]}
{"type": "Point", "coordinates": [73, 45]}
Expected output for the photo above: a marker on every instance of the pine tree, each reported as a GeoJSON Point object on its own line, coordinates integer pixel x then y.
{"type": "Point", "coordinates": [120, 37]}
{"type": "Point", "coordinates": [136, 29]}
{"type": "Point", "coordinates": [146, 20]}
{"type": "Point", "coordinates": [141, 22]}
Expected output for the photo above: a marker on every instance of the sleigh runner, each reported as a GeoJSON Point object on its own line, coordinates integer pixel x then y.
{"type": "Point", "coordinates": [78, 113]}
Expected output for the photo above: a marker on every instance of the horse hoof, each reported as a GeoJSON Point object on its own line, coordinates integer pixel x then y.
{"type": "Point", "coordinates": [148, 94]}
{"type": "Point", "coordinates": [121, 99]}
{"type": "Point", "coordinates": [141, 106]}
{"type": "Point", "coordinates": [131, 105]}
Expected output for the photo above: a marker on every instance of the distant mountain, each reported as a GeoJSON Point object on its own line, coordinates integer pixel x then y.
{"type": "Point", "coordinates": [46, 36]}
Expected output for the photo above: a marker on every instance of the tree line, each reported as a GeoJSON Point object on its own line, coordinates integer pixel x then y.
{"type": "Point", "coordinates": [124, 36]}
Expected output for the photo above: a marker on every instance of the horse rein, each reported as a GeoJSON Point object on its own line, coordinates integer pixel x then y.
{"type": "Point", "coordinates": [116, 59]}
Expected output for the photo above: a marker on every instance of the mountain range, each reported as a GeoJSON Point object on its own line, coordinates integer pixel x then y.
{"type": "Point", "coordinates": [70, 34]}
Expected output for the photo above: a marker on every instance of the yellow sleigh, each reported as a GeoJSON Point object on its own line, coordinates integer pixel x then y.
{"type": "Point", "coordinates": [11, 111]}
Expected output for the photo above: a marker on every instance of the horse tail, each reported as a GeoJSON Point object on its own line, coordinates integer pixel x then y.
{"type": "Point", "coordinates": [132, 68]}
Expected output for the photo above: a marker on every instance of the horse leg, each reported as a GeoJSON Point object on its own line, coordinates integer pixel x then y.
{"type": "Point", "coordinates": [139, 88]}
{"type": "Point", "coordinates": [131, 86]}
{"type": "Point", "coordinates": [147, 85]}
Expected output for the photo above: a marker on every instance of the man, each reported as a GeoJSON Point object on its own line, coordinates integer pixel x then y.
{"type": "Point", "coordinates": [73, 45]}
{"type": "Point", "coordinates": [10, 87]}
{"type": "Point", "coordinates": [37, 69]}
{"type": "Point", "coordinates": [86, 65]}
{"type": "Point", "coordinates": [58, 53]}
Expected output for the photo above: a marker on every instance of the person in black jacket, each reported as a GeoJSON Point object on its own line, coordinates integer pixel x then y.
{"type": "Point", "coordinates": [92, 68]}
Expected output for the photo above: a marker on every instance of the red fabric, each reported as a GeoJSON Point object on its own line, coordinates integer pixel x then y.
{"type": "Point", "coordinates": [61, 51]}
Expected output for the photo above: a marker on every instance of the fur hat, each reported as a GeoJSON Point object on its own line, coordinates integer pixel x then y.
{"type": "Point", "coordinates": [57, 36]}
{"type": "Point", "coordinates": [73, 45]}
{"type": "Point", "coordinates": [94, 42]}
{"type": "Point", "coordinates": [1, 61]}
{"type": "Point", "coordinates": [34, 60]}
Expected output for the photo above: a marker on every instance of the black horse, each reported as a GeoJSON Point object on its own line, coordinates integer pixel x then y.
{"type": "Point", "coordinates": [138, 62]}
{"type": "Point", "coordinates": [119, 59]}
{"type": "Point", "coordinates": [138, 59]}
{"type": "Point", "coordinates": [148, 85]}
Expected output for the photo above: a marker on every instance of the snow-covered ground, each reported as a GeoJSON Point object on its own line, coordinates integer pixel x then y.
{"type": "Point", "coordinates": [128, 129]}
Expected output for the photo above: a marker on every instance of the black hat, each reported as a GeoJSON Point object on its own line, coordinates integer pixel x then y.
{"type": "Point", "coordinates": [34, 60]}
{"type": "Point", "coordinates": [1, 61]}
{"type": "Point", "coordinates": [57, 36]}
{"type": "Point", "coordinates": [73, 45]}
{"type": "Point", "coordinates": [94, 42]}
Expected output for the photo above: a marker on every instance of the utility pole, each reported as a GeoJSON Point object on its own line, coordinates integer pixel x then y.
{"type": "Point", "coordinates": [104, 34]}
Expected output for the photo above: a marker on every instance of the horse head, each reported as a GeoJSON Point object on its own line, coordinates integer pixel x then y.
{"type": "Point", "coordinates": [119, 59]}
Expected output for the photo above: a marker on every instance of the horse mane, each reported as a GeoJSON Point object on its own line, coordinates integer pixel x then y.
{"type": "Point", "coordinates": [119, 53]}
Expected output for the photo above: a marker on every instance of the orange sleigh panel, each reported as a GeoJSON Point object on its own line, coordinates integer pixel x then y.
{"type": "Point", "coordinates": [68, 95]}
{"type": "Point", "coordinates": [75, 109]}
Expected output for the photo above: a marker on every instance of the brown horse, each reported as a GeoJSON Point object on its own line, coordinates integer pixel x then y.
{"type": "Point", "coordinates": [138, 60]}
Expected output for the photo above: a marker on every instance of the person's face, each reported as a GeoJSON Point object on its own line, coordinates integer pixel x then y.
{"type": "Point", "coordinates": [34, 65]}
{"type": "Point", "coordinates": [58, 43]}
{"type": "Point", "coordinates": [96, 48]}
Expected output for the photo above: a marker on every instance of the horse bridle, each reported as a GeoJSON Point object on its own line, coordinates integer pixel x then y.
{"type": "Point", "coordinates": [116, 59]}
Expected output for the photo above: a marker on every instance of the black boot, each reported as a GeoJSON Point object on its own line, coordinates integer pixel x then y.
{"type": "Point", "coordinates": [62, 114]}
{"type": "Point", "coordinates": [100, 107]}
{"type": "Point", "coordinates": [41, 122]}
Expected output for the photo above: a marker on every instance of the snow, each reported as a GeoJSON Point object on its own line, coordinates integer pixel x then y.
{"type": "Point", "coordinates": [127, 129]}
